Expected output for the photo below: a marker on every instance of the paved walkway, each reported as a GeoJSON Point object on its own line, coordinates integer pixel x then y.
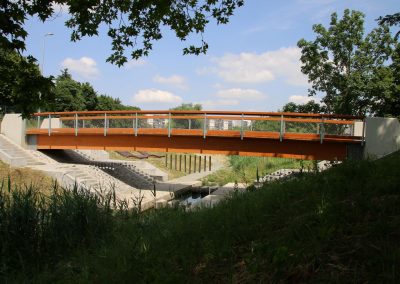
{"type": "Point", "coordinates": [191, 180]}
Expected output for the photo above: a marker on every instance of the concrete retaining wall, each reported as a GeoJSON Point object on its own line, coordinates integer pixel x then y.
{"type": "Point", "coordinates": [13, 126]}
{"type": "Point", "coordinates": [55, 123]}
{"type": "Point", "coordinates": [382, 137]}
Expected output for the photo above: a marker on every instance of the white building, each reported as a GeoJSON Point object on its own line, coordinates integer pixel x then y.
{"type": "Point", "coordinates": [219, 124]}
{"type": "Point", "coordinates": [157, 122]}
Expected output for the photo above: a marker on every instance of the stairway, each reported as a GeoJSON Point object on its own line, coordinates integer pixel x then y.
{"type": "Point", "coordinates": [15, 155]}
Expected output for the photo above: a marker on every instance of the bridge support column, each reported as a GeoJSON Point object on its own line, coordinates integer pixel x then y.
{"type": "Point", "coordinates": [13, 126]}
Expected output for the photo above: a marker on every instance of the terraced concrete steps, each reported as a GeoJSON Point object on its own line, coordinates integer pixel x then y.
{"type": "Point", "coordinates": [69, 174]}
{"type": "Point", "coordinates": [15, 155]}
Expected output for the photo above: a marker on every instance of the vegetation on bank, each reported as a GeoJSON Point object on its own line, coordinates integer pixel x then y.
{"type": "Point", "coordinates": [244, 169]}
{"type": "Point", "coordinates": [25, 177]}
{"type": "Point", "coordinates": [341, 225]}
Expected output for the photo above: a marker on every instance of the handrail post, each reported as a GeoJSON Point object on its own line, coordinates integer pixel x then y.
{"type": "Point", "coordinates": [76, 124]}
{"type": "Point", "coordinates": [136, 124]}
{"type": "Point", "coordinates": [322, 131]}
{"type": "Point", "coordinates": [38, 121]}
{"type": "Point", "coordinates": [105, 124]}
{"type": "Point", "coordinates": [241, 128]}
{"type": "Point", "coordinates": [190, 123]}
{"type": "Point", "coordinates": [169, 125]}
{"type": "Point", "coordinates": [281, 130]}
{"type": "Point", "coordinates": [49, 124]}
{"type": "Point", "coordinates": [363, 132]}
{"type": "Point", "coordinates": [205, 126]}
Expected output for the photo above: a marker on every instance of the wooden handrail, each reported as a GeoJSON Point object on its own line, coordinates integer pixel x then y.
{"type": "Point", "coordinates": [298, 120]}
{"type": "Point", "coordinates": [202, 112]}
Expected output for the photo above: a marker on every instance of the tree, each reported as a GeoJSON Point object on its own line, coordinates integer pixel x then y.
{"type": "Point", "coordinates": [184, 123]}
{"type": "Point", "coordinates": [68, 94]}
{"type": "Point", "coordinates": [188, 106]}
{"type": "Point", "coordinates": [391, 20]}
{"type": "Point", "coordinates": [90, 96]}
{"type": "Point", "coordinates": [132, 24]}
{"type": "Point", "coordinates": [354, 71]}
{"type": "Point", "coordinates": [71, 95]}
{"type": "Point", "coordinates": [22, 88]}
{"type": "Point", "coordinates": [105, 102]}
{"type": "Point", "coordinates": [309, 107]}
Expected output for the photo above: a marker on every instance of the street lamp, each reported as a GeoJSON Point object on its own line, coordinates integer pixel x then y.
{"type": "Point", "coordinates": [44, 46]}
{"type": "Point", "coordinates": [42, 71]}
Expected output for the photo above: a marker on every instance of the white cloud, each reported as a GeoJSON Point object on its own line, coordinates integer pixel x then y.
{"type": "Point", "coordinates": [84, 67]}
{"type": "Point", "coordinates": [248, 67]}
{"type": "Point", "coordinates": [216, 104]}
{"type": "Point", "coordinates": [231, 97]}
{"type": "Point", "coordinates": [240, 94]}
{"type": "Point", "coordinates": [174, 80]}
{"type": "Point", "coordinates": [148, 96]}
{"type": "Point", "coordinates": [300, 99]}
{"type": "Point", "coordinates": [135, 63]}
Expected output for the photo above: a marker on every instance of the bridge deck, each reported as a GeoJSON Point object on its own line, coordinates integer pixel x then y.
{"type": "Point", "coordinates": [242, 141]}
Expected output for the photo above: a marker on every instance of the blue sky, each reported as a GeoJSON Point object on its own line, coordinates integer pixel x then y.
{"type": "Point", "coordinates": [252, 63]}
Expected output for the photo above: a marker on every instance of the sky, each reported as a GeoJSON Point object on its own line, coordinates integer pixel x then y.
{"type": "Point", "coordinates": [252, 63]}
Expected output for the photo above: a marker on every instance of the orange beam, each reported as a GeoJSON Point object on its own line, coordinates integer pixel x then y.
{"type": "Point", "coordinates": [194, 132]}
{"type": "Point", "coordinates": [298, 149]}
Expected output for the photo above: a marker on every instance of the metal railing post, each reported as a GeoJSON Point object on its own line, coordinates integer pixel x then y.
{"type": "Point", "coordinates": [322, 131]}
{"type": "Point", "coordinates": [105, 124]}
{"type": "Point", "coordinates": [136, 124]}
{"type": "Point", "coordinates": [76, 124]}
{"type": "Point", "coordinates": [169, 125]}
{"type": "Point", "coordinates": [49, 124]}
{"type": "Point", "coordinates": [241, 128]}
{"type": "Point", "coordinates": [363, 132]}
{"type": "Point", "coordinates": [281, 129]}
{"type": "Point", "coordinates": [38, 121]}
{"type": "Point", "coordinates": [190, 124]}
{"type": "Point", "coordinates": [205, 126]}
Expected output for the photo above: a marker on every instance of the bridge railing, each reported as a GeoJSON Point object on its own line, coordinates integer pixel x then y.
{"type": "Point", "coordinates": [270, 125]}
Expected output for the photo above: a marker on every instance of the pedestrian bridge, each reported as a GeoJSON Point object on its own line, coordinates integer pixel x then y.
{"type": "Point", "coordinates": [271, 134]}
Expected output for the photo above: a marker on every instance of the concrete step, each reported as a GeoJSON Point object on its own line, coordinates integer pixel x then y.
{"type": "Point", "coordinates": [16, 152]}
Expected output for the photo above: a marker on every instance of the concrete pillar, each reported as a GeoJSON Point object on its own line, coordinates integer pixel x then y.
{"type": "Point", "coordinates": [13, 127]}
{"type": "Point", "coordinates": [382, 137]}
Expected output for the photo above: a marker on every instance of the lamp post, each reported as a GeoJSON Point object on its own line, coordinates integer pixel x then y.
{"type": "Point", "coordinates": [44, 46]}
{"type": "Point", "coordinates": [42, 71]}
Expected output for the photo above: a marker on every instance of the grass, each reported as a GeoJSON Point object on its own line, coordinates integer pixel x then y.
{"type": "Point", "coordinates": [37, 230]}
{"type": "Point", "coordinates": [25, 177]}
{"type": "Point", "coordinates": [339, 226]}
{"type": "Point", "coordinates": [244, 169]}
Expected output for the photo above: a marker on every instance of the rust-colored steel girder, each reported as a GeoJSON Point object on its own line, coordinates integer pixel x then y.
{"type": "Point", "coordinates": [299, 145]}
{"type": "Point", "coordinates": [308, 148]}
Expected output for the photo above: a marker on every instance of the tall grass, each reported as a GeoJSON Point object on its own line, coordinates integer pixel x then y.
{"type": "Point", "coordinates": [38, 230]}
{"type": "Point", "coordinates": [338, 226]}
{"type": "Point", "coordinates": [244, 169]}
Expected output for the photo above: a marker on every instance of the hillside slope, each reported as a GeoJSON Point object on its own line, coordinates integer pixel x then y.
{"type": "Point", "coordinates": [339, 226]}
